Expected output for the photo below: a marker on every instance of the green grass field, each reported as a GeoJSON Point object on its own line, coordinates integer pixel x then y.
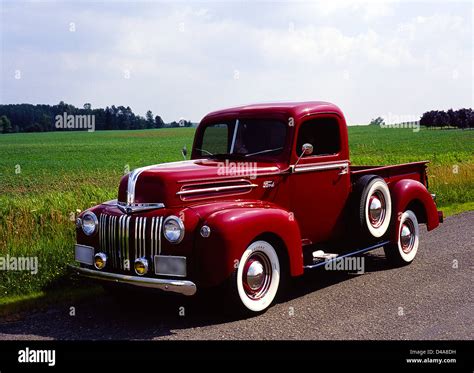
{"type": "Point", "coordinates": [46, 177]}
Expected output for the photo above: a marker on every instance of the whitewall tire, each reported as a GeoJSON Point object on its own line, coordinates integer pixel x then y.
{"type": "Point", "coordinates": [258, 276]}
{"type": "Point", "coordinates": [408, 239]}
{"type": "Point", "coordinates": [375, 208]}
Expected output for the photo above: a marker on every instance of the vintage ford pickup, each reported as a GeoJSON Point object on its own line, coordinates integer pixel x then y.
{"type": "Point", "coordinates": [268, 194]}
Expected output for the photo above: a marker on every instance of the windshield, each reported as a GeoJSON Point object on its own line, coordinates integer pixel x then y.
{"type": "Point", "coordinates": [243, 138]}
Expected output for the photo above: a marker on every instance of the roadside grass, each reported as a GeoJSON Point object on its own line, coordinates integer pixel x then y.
{"type": "Point", "coordinates": [46, 177]}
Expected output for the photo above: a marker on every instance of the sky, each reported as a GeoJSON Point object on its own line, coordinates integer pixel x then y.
{"type": "Point", "coordinates": [393, 59]}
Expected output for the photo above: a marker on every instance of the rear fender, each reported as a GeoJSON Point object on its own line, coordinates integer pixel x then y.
{"type": "Point", "coordinates": [232, 230]}
{"type": "Point", "coordinates": [408, 192]}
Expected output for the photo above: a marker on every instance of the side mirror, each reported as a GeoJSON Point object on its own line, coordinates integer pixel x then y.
{"type": "Point", "coordinates": [184, 152]}
{"type": "Point", "coordinates": [307, 149]}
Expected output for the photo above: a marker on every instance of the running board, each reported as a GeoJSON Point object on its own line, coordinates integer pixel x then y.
{"type": "Point", "coordinates": [337, 257]}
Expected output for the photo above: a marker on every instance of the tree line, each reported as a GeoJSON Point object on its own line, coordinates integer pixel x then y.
{"type": "Point", "coordinates": [462, 118]}
{"type": "Point", "coordinates": [43, 118]}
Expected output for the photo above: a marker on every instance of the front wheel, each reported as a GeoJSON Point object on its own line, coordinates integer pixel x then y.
{"type": "Point", "coordinates": [404, 250]}
{"type": "Point", "coordinates": [257, 278]}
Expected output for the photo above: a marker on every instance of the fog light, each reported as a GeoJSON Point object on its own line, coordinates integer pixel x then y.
{"type": "Point", "coordinates": [141, 266]}
{"type": "Point", "coordinates": [100, 260]}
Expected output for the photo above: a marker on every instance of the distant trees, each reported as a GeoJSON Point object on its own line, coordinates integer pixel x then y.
{"type": "Point", "coordinates": [5, 125]}
{"type": "Point", "coordinates": [462, 118]}
{"type": "Point", "coordinates": [377, 121]}
{"type": "Point", "coordinates": [159, 122]}
{"type": "Point", "coordinates": [150, 121]}
{"type": "Point", "coordinates": [41, 118]}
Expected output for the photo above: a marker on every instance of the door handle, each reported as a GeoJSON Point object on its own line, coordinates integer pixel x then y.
{"type": "Point", "coordinates": [344, 170]}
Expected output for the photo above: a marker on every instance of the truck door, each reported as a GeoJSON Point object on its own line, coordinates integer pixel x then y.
{"type": "Point", "coordinates": [320, 182]}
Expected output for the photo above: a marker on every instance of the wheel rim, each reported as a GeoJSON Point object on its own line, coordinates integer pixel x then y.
{"type": "Point", "coordinates": [407, 236]}
{"type": "Point", "coordinates": [377, 209]}
{"type": "Point", "coordinates": [257, 275]}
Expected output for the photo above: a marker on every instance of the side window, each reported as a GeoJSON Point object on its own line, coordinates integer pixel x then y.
{"type": "Point", "coordinates": [322, 133]}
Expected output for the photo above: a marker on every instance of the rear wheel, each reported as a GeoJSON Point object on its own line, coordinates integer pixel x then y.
{"type": "Point", "coordinates": [404, 250]}
{"type": "Point", "coordinates": [257, 278]}
{"type": "Point", "coordinates": [375, 206]}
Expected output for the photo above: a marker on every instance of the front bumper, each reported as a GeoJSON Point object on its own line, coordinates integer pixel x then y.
{"type": "Point", "coordinates": [175, 286]}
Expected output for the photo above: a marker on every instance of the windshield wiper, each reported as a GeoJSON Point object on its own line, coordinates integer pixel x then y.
{"type": "Point", "coordinates": [264, 151]}
{"type": "Point", "coordinates": [204, 150]}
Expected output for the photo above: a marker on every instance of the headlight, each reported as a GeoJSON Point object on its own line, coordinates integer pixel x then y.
{"type": "Point", "coordinates": [89, 223]}
{"type": "Point", "coordinates": [173, 229]}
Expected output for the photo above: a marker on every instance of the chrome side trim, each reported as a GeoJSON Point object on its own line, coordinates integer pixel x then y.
{"type": "Point", "coordinates": [176, 286]}
{"type": "Point", "coordinates": [321, 167]}
{"type": "Point", "coordinates": [215, 189]}
{"type": "Point", "coordinates": [272, 172]}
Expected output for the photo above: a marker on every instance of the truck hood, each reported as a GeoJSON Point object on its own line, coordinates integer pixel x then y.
{"type": "Point", "coordinates": [181, 183]}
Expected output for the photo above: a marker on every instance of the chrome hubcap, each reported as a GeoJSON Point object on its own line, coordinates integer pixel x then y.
{"type": "Point", "coordinates": [376, 209]}
{"type": "Point", "coordinates": [407, 238]}
{"type": "Point", "coordinates": [257, 276]}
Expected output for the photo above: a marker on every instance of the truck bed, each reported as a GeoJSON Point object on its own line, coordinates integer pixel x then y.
{"type": "Point", "coordinates": [392, 173]}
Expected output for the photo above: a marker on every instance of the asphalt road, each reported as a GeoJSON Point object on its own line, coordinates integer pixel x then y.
{"type": "Point", "coordinates": [430, 299]}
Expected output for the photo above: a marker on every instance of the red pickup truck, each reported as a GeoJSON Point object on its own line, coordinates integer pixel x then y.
{"type": "Point", "coordinates": [268, 194]}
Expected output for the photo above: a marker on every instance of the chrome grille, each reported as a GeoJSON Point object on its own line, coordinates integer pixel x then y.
{"type": "Point", "coordinates": [124, 237]}
{"type": "Point", "coordinates": [140, 243]}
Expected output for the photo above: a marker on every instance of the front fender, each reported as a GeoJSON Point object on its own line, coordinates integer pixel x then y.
{"type": "Point", "coordinates": [232, 230]}
{"type": "Point", "coordinates": [406, 192]}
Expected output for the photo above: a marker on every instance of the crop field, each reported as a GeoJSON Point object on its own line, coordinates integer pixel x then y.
{"type": "Point", "coordinates": [46, 177]}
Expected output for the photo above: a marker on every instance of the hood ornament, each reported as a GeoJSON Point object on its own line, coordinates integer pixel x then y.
{"type": "Point", "coordinates": [130, 208]}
